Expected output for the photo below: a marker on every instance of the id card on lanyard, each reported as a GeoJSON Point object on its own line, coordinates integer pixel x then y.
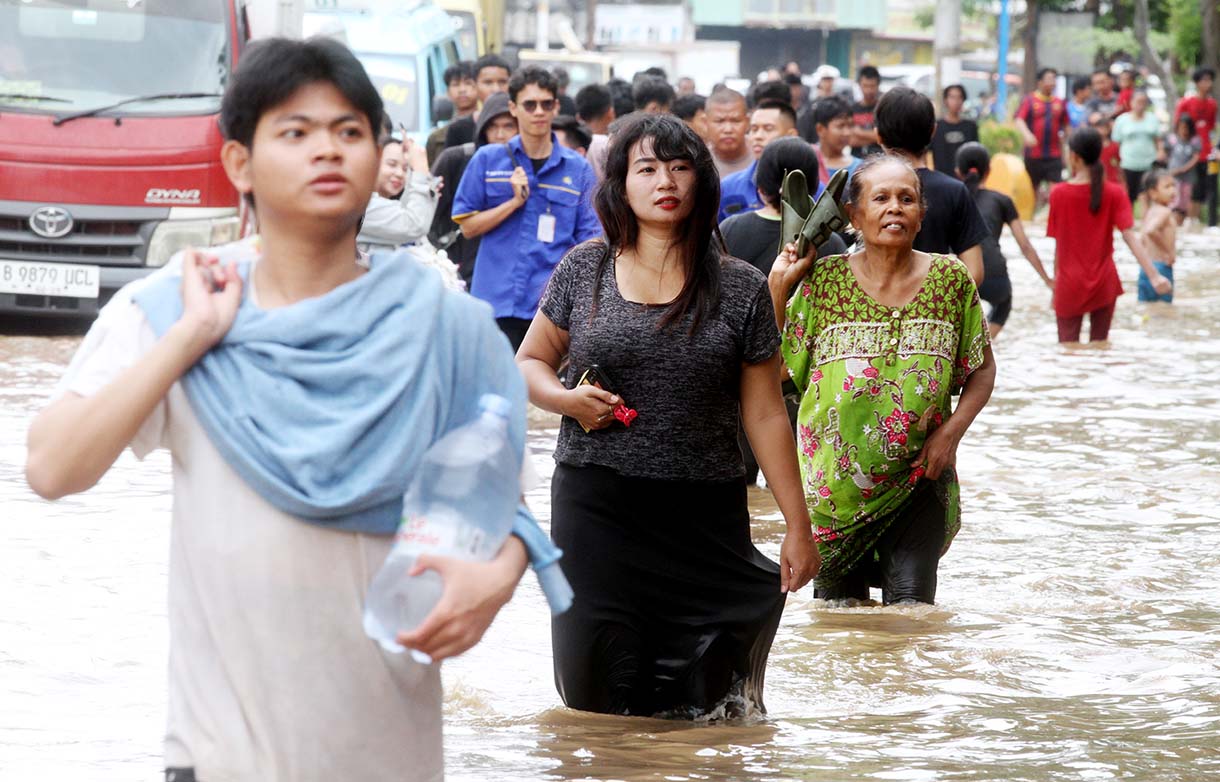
{"type": "Point", "coordinates": [546, 227]}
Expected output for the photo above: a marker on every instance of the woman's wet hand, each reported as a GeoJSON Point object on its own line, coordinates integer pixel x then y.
{"type": "Point", "coordinates": [939, 451]}
{"type": "Point", "coordinates": [799, 560]}
{"type": "Point", "coordinates": [593, 407]}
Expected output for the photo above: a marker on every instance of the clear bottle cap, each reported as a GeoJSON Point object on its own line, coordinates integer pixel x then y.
{"type": "Point", "coordinates": [496, 405]}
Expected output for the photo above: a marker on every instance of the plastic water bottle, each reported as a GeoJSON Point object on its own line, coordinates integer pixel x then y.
{"type": "Point", "coordinates": [461, 504]}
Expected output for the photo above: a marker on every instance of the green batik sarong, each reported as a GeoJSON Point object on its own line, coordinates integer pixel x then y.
{"type": "Point", "coordinates": [875, 381]}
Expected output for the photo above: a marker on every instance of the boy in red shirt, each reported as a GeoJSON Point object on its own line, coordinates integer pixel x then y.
{"type": "Point", "coordinates": [1201, 107]}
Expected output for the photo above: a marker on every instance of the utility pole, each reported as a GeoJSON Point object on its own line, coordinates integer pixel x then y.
{"type": "Point", "coordinates": [947, 43]}
{"type": "Point", "coordinates": [1001, 68]}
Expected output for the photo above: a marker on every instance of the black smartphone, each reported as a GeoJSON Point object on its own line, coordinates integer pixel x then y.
{"type": "Point", "coordinates": [597, 376]}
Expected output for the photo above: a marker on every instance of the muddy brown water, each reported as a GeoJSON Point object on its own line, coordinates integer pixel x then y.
{"type": "Point", "coordinates": [1076, 635]}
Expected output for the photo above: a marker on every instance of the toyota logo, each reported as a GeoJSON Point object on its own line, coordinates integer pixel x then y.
{"type": "Point", "coordinates": [51, 222]}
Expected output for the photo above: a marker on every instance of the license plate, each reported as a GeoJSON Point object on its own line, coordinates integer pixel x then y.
{"type": "Point", "coordinates": [49, 279]}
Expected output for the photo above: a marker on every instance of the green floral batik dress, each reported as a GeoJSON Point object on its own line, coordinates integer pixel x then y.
{"type": "Point", "coordinates": [875, 381]}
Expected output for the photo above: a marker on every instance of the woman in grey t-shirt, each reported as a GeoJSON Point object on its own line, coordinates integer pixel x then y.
{"type": "Point", "coordinates": [675, 609]}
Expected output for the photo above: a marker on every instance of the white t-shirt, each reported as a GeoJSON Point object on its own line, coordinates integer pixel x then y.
{"type": "Point", "coordinates": [271, 676]}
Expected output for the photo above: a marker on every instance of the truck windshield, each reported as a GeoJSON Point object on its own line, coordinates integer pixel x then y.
{"type": "Point", "coordinates": [65, 55]}
{"type": "Point", "coordinates": [395, 78]}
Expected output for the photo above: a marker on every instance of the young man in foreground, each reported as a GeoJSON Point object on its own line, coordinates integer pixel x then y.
{"type": "Point", "coordinates": [296, 384]}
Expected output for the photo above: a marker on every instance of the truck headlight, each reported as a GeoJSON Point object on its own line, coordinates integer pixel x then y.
{"type": "Point", "coordinates": [170, 236]}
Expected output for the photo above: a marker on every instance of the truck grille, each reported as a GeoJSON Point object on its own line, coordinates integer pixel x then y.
{"type": "Point", "coordinates": [103, 235]}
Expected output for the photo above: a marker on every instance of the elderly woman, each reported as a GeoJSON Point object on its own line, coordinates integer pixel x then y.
{"type": "Point", "coordinates": [878, 342]}
{"type": "Point", "coordinates": [674, 607]}
{"type": "Point", "coordinates": [754, 236]}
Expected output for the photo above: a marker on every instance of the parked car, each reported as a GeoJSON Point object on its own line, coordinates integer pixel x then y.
{"type": "Point", "coordinates": [921, 78]}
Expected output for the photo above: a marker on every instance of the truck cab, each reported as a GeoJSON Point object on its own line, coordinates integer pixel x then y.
{"type": "Point", "coordinates": [109, 144]}
{"type": "Point", "coordinates": [404, 47]}
{"type": "Point", "coordinates": [479, 24]}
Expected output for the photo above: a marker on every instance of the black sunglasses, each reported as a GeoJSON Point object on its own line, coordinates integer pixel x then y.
{"type": "Point", "coordinates": [531, 106]}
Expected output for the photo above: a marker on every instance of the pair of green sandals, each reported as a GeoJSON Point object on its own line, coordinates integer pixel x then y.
{"type": "Point", "coordinates": [805, 222]}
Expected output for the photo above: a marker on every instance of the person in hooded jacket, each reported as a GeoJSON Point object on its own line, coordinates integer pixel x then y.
{"type": "Point", "coordinates": [495, 125]}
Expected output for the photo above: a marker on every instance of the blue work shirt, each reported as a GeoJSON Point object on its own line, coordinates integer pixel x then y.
{"type": "Point", "coordinates": [738, 193]}
{"type": "Point", "coordinates": [734, 198]}
{"type": "Point", "coordinates": [513, 264]}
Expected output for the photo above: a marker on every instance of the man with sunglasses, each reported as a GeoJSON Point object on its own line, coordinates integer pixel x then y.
{"type": "Point", "coordinates": [530, 200]}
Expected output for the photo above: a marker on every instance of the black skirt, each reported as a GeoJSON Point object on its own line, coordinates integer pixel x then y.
{"type": "Point", "coordinates": [674, 608]}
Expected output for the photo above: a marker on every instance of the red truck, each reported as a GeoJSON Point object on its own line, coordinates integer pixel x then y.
{"type": "Point", "coordinates": [109, 144]}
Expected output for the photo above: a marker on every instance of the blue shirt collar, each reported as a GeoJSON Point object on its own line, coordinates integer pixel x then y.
{"type": "Point", "coordinates": [557, 150]}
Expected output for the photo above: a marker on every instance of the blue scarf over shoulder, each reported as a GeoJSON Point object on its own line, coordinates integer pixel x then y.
{"type": "Point", "coordinates": [325, 407]}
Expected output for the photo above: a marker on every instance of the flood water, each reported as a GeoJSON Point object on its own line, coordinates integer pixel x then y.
{"type": "Point", "coordinates": [1076, 635]}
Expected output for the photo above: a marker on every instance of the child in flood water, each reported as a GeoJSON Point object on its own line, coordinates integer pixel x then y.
{"type": "Point", "coordinates": [1183, 147]}
{"type": "Point", "coordinates": [296, 383]}
{"type": "Point", "coordinates": [1084, 212]}
{"type": "Point", "coordinates": [973, 164]}
{"type": "Point", "coordinates": [1159, 231]}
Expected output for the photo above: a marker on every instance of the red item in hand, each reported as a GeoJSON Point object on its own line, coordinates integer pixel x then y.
{"type": "Point", "coordinates": [625, 414]}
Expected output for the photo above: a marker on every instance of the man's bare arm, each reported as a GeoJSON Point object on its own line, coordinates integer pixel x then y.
{"type": "Point", "coordinates": [76, 439]}
{"type": "Point", "coordinates": [973, 258]}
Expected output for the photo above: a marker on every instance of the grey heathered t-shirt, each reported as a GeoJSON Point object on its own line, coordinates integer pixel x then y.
{"type": "Point", "coordinates": [686, 388]}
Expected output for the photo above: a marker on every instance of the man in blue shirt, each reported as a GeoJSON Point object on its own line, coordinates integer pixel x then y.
{"type": "Point", "coordinates": [530, 200]}
{"type": "Point", "coordinates": [770, 120]}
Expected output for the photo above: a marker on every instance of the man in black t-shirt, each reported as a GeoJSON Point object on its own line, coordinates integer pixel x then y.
{"type": "Point", "coordinates": [1105, 99]}
{"type": "Point", "coordinates": [905, 122]}
{"type": "Point", "coordinates": [864, 140]}
{"type": "Point", "coordinates": [952, 130]}
{"type": "Point", "coordinates": [491, 73]}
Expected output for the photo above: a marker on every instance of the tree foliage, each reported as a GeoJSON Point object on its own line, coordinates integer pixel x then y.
{"type": "Point", "coordinates": [1186, 31]}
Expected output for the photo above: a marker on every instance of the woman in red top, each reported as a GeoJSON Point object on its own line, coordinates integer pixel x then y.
{"type": "Point", "coordinates": [1084, 212]}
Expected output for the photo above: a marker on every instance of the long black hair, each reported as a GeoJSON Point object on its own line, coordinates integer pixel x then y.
{"type": "Point", "coordinates": [1086, 144]}
{"type": "Point", "coordinates": [973, 163]}
{"type": "Point", "coordinates": [782, 155]}
{"type": "Point", "coordinates": [670, 139]}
